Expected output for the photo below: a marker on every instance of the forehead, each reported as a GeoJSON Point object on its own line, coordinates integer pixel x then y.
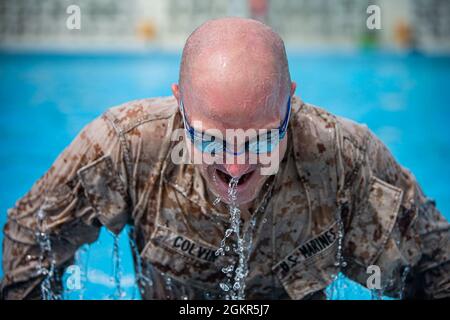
{"type": "Point", "coordinates": [242, 110]}
{"type": "Point", "coordinates": [239, 116]}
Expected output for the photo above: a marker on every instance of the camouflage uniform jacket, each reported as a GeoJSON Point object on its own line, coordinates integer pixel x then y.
{"type": "Point", "coordinates": [337, 187]}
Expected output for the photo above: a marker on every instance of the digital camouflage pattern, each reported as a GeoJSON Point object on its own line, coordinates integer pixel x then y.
{"type": "Point", "coordinates": [335, 177]}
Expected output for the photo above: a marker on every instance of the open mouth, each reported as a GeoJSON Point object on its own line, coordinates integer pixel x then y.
{"type": "Point", "coordinates": [226, 178]}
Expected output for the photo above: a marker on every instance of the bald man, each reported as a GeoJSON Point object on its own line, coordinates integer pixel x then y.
{"type": "Point", "coordinates": [274, 213]}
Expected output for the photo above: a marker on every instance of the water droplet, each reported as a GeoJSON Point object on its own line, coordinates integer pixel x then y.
{"type": "Point", "coordinates": [224, 287]}
{"type": "Point", "coordinates": [216, 201]}
{"type": "Point", "coordinates": [219, 251]}
{"type": "Point", "coordinates": [235, 284]}
{"type": "Point", "coordinates": [227, 269]}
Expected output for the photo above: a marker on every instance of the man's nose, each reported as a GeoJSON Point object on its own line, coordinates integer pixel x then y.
{"type": "Point", "coordinates": [236, 170]}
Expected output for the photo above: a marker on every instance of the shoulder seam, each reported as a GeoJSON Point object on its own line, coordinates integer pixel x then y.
{"type": "Point", "coordinates": [142, 120]}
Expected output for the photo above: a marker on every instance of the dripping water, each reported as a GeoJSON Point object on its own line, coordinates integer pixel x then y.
{"type": "Point", "coordinates": [234, 283]}
{"type": "Point", "coordinates": [405, 273]}
{"type": "Point", "coordinates": [141, 279]}
{"type": "Point", "coordinates": [338, 286]}
{"type": "Point", "coordinates": [46, 253]}
{"type": "Point", "coordinates": [117, 272]}
{"type": "Point", "coordinates": [168, 281]}
{"type": "Point", "coordinates": [216, 201]}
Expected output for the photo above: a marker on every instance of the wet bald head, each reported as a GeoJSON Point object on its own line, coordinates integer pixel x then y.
{"type": "Point", "coordinates": [235, 66]}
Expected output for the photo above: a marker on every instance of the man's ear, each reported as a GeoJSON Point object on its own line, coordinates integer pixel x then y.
{"type": "Point", "coordinates": [293, 87]}
{"type": "Point", "coordinates": [176, 92]}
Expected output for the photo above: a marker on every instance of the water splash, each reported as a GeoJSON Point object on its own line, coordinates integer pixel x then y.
{"type": "Point", "coordinates": [340, 262]}
{"type": "Point", "coordinates": [404, 276]}
{"type": "Point", "coordinates": [234, 283]}
{"type": "Point", "coordinates": [141, 279]}
{"type": "Point", "coordinates": [46, 253]}
{"type": "Point", "coordinates": [168, 281]}
{"type": "Point", "coordinates": [339, 285]}
{"type": "Point", "coordinates": [117, 272]}
{"type": "Point", "coordinates": [216, 201]}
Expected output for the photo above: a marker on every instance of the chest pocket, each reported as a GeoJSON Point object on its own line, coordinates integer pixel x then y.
{"type": "Point", "coordinates": [311, 266]}
{"type": "Point", "coordinates": [373, 223]}
{"type": "Point", "coordinates": [189, 261]}
{"type": "Point", "coordinates": [106, 192]}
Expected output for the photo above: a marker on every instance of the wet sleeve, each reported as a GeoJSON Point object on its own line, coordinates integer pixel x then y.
{"type": "Point", "coordinates": [83, 190]}
{"type": "Point", "coordinates": [396, 227]}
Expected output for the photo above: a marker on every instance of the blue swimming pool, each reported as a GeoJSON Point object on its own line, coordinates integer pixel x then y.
{"type": "Point", "coordinates": [45, 99]}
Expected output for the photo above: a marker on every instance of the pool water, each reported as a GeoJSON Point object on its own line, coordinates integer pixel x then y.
{"type": "Point", "coordinates": [45, 99]}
